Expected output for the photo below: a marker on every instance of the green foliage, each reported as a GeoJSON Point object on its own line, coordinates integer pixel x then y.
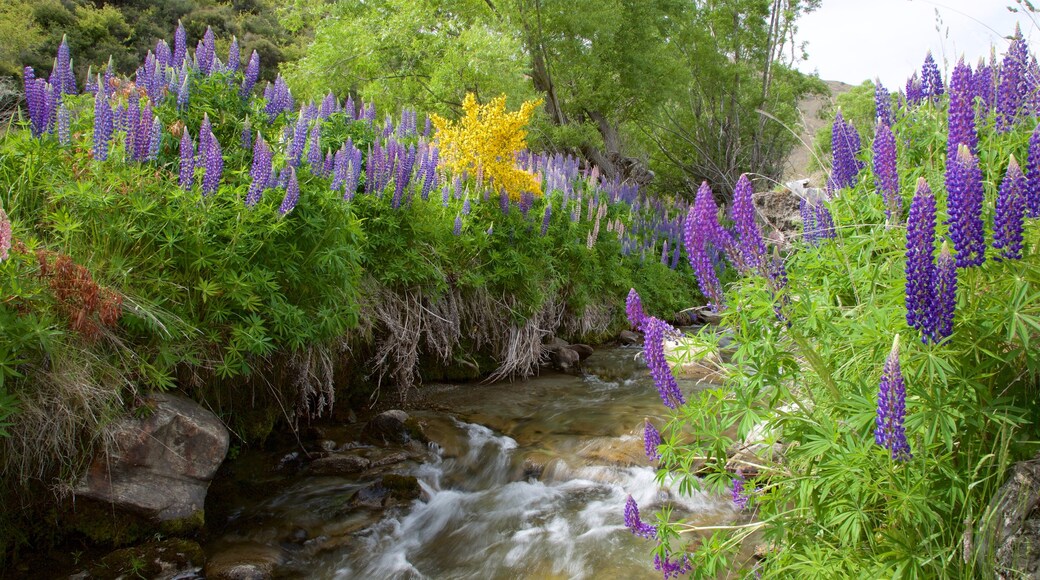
{"type": "Point", "coordinates": [827, 500]}
{"type": "Point", "coordinates": [857, 107]}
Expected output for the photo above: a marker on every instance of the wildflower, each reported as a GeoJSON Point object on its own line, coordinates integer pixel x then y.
{"type": "Point", "coordinates": [634, 523]}
{"type": "Point", "coordinates": [651, 440]}
{"type": "Point", "coordinates": [982, 86]}
{"type": "Point", "coordinates": [944, 297]}
{"type": "Point", "coordinates": [184, 94]}
{"type": "Point", "coordinates": [466, 207]}
{"type": "Point", "coordinates": [751, 246]}
{"type": "Point", "coordinates": [920, 268]}
{"type": "Point", "coordinates": [260, 171]}
{"type": "Point", "coordinates": [1007, 224]}
{"type": "Point", "coordinates": [252, 73]}
{"type": "Point", "coordinates": [914, 90]}
{"type": "Point", "coordinates": [5, 235]}
{"type": "Point", "coordinates": [1010, 96]}
{"type": "Point", "coordinates": [890, 432]}
{"type": "Point", "coordinates": [882, 104]}
{"type": "Point", "coordinates": [292, 193]}
{"type": "Point", "coordinates": [885, 170]}
{"type": "Point", "coordinates": [63, 79]}
{"type": "Point", "coordinates": [205, 53]}
{"type": "Point", "coordinates": [845, 146]}
{"type": "Point", "coordinates": [655, 330]}
{"type": "Point", "coordinates": [700, 228]}
{"type": "Point", "coordinates": [213, 161]}
{"type": "Point", "coordinates": [234, 55]}
{"type": "Point", "coordinates": [672, 568]}
{"type": "Point", "coordinates": [965, 197]}
{"type": "Point", "coordinates": [102, 126]}
{"type": "Point", "coordinates": [299, 140]}
{"type": "Point", "coordinates": [931, 79]}
{"type": "Point", "coordinates": [634, 310]}
{"type": "Point", "coordinates": [458, 226]}
{"type": "Point", "coordinates": [187, 174]}
{"type": "Point", "coordinates": [247, 134]}
{"type": "Point", "coordinates": [1032, 192]}
{"type": "Point", "coordinates": [64, 121]}
{"type": "Point", "coordinates": [314, 149]}
{"type": "Point", "coordinates": [180, 45]}
{"type": "Point", "coordinates": [154, 140]}
{"type": "Point", "coordinates": [545, 219]}
{"type": "Point", "coordinates": [962, 111]}
{"type": "Point", "coordinates": [739, 494]}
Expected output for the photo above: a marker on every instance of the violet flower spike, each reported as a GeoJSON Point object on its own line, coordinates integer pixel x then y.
{"type": "Point", "coordinates": [260, 171]}
{"type": "Point", "coordinates": [546, 218]}
{"type": "Point", "coordinates": [701, 225]}
{"type": "Point", "coordinates": [655, 331]}
{"type": "Point", "coordinates": [739, 494]}
{"type": "Point", "coordinates": [1032, 192]}
{"type": "Point", "coordinates": [945, 295]}
{"type": "Point", "coordinates": [965, 198]}
{"type": "Point", "coordinates": [962, 111]}
{"type": "Point", "coordinates": [634, 523]}
{"type": "Point", "coordinates": [882, 104]}
{"type": "Point", "coordinates": [458, 226]}
{"type": "Point", "coordinates": [886, 177]}
{"type": "Point", "coordinates": [292, 193]}
{"type": "Point", "coordinates": [920, 267]}
{"type": "Point", "coordinates": [180, 45]}
{"type": "Point", "coordinates": [187, 173]}
{"type": "Point", "coordinates": [103, 126]}
{"type": "Point", "coordinates": [890, 431]}
{"type": "Point", "coordinates": [1008, 222]}
{"type": "Point", "coordinates": [931, 78]}
{"type": "Point", "coordinates": [634, 310]}
{"type": "Point", "coordinates": [750, 243]}
{"type": "Point", "coordinates": [213, 161]}
{"type": "Point", "coordinates": [252, 73]}
{"type": "Point", "coordinates": [651, 440]}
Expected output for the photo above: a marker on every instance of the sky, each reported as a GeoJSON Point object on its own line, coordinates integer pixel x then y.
{"type": "Point", "coordinates": [856, 40]}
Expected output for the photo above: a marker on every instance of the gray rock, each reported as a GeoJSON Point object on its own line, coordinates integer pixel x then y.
{"type": "Point", "coordinates": [392, 427]}
{"type": "Point", "coordinates": [565, 359]}
{"type": "Point", "coordinates": [338, 465]}
{"type": "Point", "coordinates": [629, 337]}
{"type": "Point", "coordinates": [554, 345]}
{"type": "Point", "coordinates": [158, 465]}
{"type": "Point", "coordinates": [244, 561]}
{"type": "Point", "coordinates": [584, 351]}
{"type": "Point", "coordinates": [390, 490]}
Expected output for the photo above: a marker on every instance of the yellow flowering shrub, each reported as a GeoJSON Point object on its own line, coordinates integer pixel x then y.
{"type": "Point", "coordinates": [488, 138]}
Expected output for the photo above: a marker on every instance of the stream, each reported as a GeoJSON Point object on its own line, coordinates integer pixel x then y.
{"type": "Point", "coordinates": [520, 480]}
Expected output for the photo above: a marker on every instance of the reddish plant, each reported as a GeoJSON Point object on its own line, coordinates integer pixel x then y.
{"type": "Point", "coordinates": [88, 306]}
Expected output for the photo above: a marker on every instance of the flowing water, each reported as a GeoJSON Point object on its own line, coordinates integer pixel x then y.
{"type": "Point", "coordinates": [523, 480]}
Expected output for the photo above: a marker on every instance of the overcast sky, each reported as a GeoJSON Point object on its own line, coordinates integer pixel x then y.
{"type": "Point", "coordinates": [856, 40]}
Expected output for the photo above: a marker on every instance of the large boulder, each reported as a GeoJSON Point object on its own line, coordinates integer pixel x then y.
{"type": "Point", "coordinates": [584, 351]}
{"type": "Point", "coordinates": [629, 337]}
{"type": "Point", "coordinates": [565, 359]}
{"type": "Point", "coordinates": [158, 464]}
{"type": "Point", "coordinates": [392, 427]}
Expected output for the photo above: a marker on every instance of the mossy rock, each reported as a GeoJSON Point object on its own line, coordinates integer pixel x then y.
{"type": "Point", "coordinates": [102, 524]}
{"type": "Point", "coordinates": [150, 560]}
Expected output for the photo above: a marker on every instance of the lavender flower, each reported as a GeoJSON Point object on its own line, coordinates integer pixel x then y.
{"type": "Point", "coordinates": [750, 245]}
{"type": "Point", "coordinates": [962, 111]}
{"type": "Point", "coordinates": [882, 104]}
{"type": "Point", "coordinates": [103, 126]}
{"type": "Point", "coordinates": [845, 145]}
{"type": "Point", "coordinates": [701, 226]}
{"type": "Point", "coordinates": [739, 494]}
{"type": "Point", "coordinates": [187, 173]}
{"type": "Point", "coordinates": [1010, 96]}
{"type": "Point", "coordinates": [655, 330]}
{"type": "Point", "coordinates": [5, 235]}
{"type": "Point", "coordinates": [465, 207]}
{"type": "Point", "coordinates": [252, 73]}
{"type": "Point", "coordinates": [292, 193]}
{"type": "Point", "coordinates": [546, 217]}
{"type": "Point", "coordinates": [672, 568]}
{"type": "Point", "coordinates": [634, 310]}
{"type": "Point", "coordinates": [1007, 224]}
{"type": "Point", "coordinates": [931, 79]}
{"type": "Point", "coordinates": [180, 45]}
{"type": "Point", "coordinates": [634, 523]}
{"type": "Point", "coordinates": [299, 140]}
{"type": "Point", "coordinates": [458, 226]}
{"type": "Point", "coordinates": [260, 171]}
{"type": "Point", "coordinates": [651, 440]}
{"type": "Point", "coordinates": [920, 268]}
{"type": "Point", "coordinates": [965, 197]}
{"type": "Point", "coordinates": [63, 79]}
{"type": "Point", "coordinates": [154, 140]}
{"type": "Point", "coordinates": [885, 174]}
{"type": "Point", "coordinates": [205, 53]}
{"type": "Point", "coordinates": [890, 432]}
{"type": "Point", "coordinates": [914, 91]}
{"type": "Point", "coordinates": [944, 300]}
{"type": "Point", "coordinates": [503, 201]}
{"type": "Point", "coordinates": [213, 161]}
{"type": "Point", "coordinates": [234, 55]}
{"type": "Point", "coordinates": [1032, 193]}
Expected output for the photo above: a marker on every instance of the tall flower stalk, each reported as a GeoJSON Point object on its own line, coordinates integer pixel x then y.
{"type": "Point", "coordinates": [890, 431]}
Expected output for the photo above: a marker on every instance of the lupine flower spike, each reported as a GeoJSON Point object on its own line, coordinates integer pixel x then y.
{"type": "Point", "coordinates": [651, 440]}
{"type": "Point", "coordinates": [750, 244]}
{"type": "Point", "coordinates": [634, 310]}
{"type": "Point", "coordinates": [890, 431]}
{"type": "Point", "coordinates": [634, 523]}
{"type": "Point", "coordinates": [920, 268]}
{"type": "Point", "coordinates": [885, 175]}
{"type": "Point", "coordinates": [945, 295]}
{"type": "Point", "coordinates": [655, 331]}
{"type": "Point", "coordinates": [292, 193]}
{"type": "Point", "coordinates": [965, 197]}
{"type": "Point", "coordinates": [1007, 225]}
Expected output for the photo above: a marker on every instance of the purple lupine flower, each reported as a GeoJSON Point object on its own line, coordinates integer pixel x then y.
{"type": "Point", "coordinates": [920, 266]}
{"type": "Point", "coordinates": [931, 79]}
{"type": "Point", "coordinates": [64, 122]}
{"type": "Point", "coordinates": [329, 163]}
{"type": "Point", "coordinates": [5, 235]}
{"type": "Point", "coordinates": [339, 168]}
{"type": "Point", "coordinates": [664, 253]}
{"type": "Point", "coordinates": [1007, 224]}
{"type": "Point", "coordinates": [206, 53]}
{"type": "Point", "coordinates": [944, 300]}
{"type": "Point", "coordinates": [91, 85]}
{"type": "Point", "coordinates": [885, 174]}
{"type": "Point", "coordinates": [750, 244]}
{"type": "Point", "coordinates": [1010, 97]}
{"type": "Point", "coordinates": [213, 161]}
{"type": "Point", "coordinates": [962, 111]}
{"type": "Point", "coordinates": [103, 126]}
{"type": "Point", "coordinates": [466, 207]}
{"type": "Point", "coordinates": [292, 193]}
{"type": "Point", "coordinates": [651, 440]}
{"type": "Point", "coordinates": [654, 330]}
{"type": "Point", "coordinates": [503, 201]}
{"type": "Point", "coordinates": [914, 91]}
{"type": "Point", "coordinates": [634, 310]}
{"type": "Point", "coordinates": [672, 568]}
{"type": "Point", "coordinates": [187, 173]}
{"type": "Point", "coordinates": [546, 217]}
{"type": "Point", "coordinates": [184, 93]}
{"type": "Point", "coordinates": [845, 145]}
{"type": "Point", "coordinates": [234, 55]}
{"type": "Point", "coordinates": [260, 171]}
{"type": "Point", "coordinates": [890, 432]}
{"type": "Point", "coordinates": [983, 87]}
{"type": "Point", "coordinates": [964, 204]}
{"type": "Point", "coordinates": [246, 139]}
{"type": "Point", "coordinates": [458, 225]}
{"type": "Point", "coordinates": [180, 45]}
{"type": "Point", "coordinates": [882, 104]}
{"type": "Point", "coordinates": [314, 149]}
{"type": "Point", "coordinates": [107, 77]}
{"type": "Point", "coordinates": [252, 73]}
{"type": "Point", "coordinates": [1032, 193]}
{"type": "Point", "coordinates": [634, 523]}
{"type": "Point", "coordinates": [64, 79]}
{"type": "Point", "coordinates": [163, 54]}
{"type": "Point", "coordinates": [38, 98]}
{"type": "Point", "coordinates": [676, 254]}
{"type": "Point", "coordinates": [154, 140]}
{"type": "Point", "coordinates": [205, 134]}
{"type": "Point", "coordinates": [739, 494]}
{"type": "Point", "coordinates": [328, 106]}
{"type": "Point", "coordinates": [700, 228]}
{"type": "Point", "coordinates": [403, 174]}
